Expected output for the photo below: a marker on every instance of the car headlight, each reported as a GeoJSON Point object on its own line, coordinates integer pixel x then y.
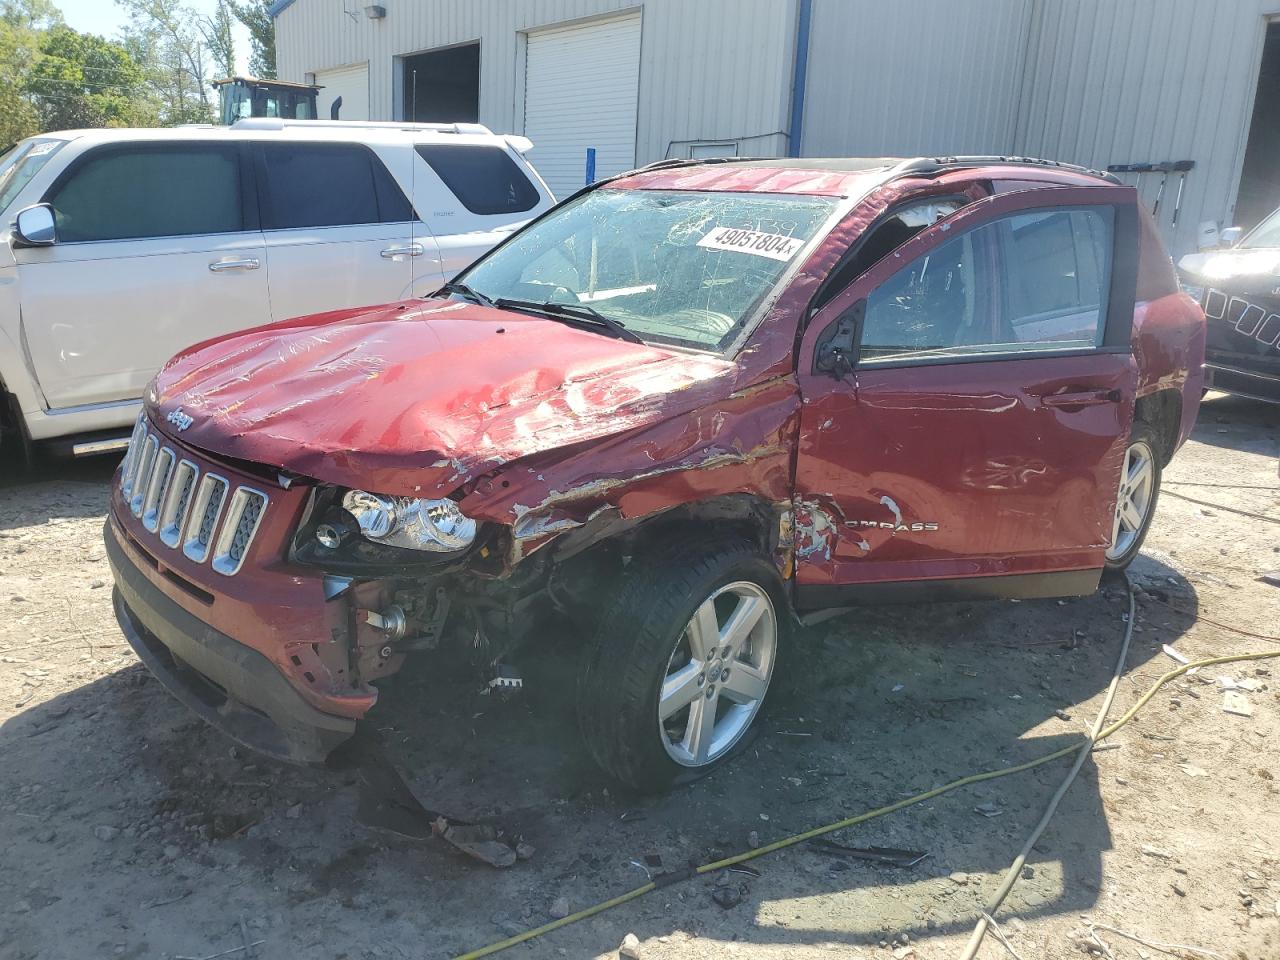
{"type": "Point", "coordinates": [437, 526]}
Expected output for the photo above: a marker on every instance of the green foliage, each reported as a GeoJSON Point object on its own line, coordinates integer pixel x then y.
{"type": "Point", "coordinates": [255, 15]}
{"type": "Point", "coordinates": [18, 50]}
{"type": "Point", "coordinates": [80, 80]}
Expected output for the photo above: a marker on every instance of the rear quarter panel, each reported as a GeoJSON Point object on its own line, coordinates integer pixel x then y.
{"type": "Point", "coordinates": [1168, 331]}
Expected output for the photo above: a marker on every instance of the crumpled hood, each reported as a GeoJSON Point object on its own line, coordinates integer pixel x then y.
{"type": "Point", "coordinates": [416, 398]}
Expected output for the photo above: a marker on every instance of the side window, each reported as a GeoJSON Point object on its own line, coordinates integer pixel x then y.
{"type": "Point", "coordinates": [903, 224]}
{"type": "Point", "coordinates": [485, 180]}
{"type": "Point", "coordinates": [936, 303]}
{"type": "Point", "coordinates": [327, 185]}
{"type": "Point", "coordinates": [150, 190]}
{"type": "Point", "coordinates": [1032, 281]}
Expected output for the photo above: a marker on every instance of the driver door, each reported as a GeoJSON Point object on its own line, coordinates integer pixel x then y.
{"type": "Point", "coordinates": [967, 402]}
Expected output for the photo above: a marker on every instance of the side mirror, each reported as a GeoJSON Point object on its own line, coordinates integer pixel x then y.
{"type": "Point", "coordinates": [1230, 236]}
{"type": "Point", "coordinates": [35, 227]}
{"type": "Point", "coordinates": [836, 346]}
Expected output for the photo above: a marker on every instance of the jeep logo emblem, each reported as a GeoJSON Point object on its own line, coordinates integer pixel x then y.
{"type": "Point", "coordinates": [180, 420]}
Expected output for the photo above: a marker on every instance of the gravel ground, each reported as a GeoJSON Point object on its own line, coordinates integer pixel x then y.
{"type": "Point", "coordinates": [129, 829]}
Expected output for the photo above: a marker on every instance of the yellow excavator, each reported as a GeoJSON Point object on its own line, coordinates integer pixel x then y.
{"type": "Point", "coordinates": [240, 97]}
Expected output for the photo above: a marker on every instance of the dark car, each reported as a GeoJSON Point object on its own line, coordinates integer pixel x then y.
{"type": "Point", "coordinates": [1239, 289]}
{"type": "Point", "coordinates": [687, 407]}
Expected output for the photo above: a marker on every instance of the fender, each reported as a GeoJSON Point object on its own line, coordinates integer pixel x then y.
{"type": "Point", "coordinates": [739, 445]}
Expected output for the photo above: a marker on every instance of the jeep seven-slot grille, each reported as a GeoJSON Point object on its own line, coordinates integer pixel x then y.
{"type": "Point", "coordinates": [203, 514]}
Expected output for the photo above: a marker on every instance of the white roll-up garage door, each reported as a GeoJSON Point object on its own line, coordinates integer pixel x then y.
{"type": "Point", "coordinates": [581, 88]}
{"type": "Point", "coordinates": [349, 83]}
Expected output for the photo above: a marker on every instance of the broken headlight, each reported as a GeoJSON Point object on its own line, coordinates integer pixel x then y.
{"type": "Point", "coordinates": [436, 526]}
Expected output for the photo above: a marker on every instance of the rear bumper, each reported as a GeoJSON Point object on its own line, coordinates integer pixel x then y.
{"type": "Point", "coordinates": [231, 686]}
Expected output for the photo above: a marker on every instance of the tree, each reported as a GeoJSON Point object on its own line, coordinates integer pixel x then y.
{"type": "Point", "coordinates": [218, 38]}
{"type": "Point", "coordinates": [256, 16]}
{"type": "Point", "coordinates": [164, 37]}
{"type": "Point", "coordinates": [81, 80]}
{"type": "Point", "coordinates": [30, 14]}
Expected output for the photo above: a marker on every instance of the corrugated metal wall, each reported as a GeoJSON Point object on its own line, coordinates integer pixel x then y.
{"type": "Point", "coordinates": [914, 77]}
{"type": "Point", "coordinates": [1147, 80]}
{"type": "Point", "coordinates": [1087, 81]}
{"type": "Point", "coordinates": [715, 69]}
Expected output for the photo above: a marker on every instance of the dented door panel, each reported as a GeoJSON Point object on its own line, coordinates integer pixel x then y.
{"type": "Point", "coordinates": [960, 470]}
{"type": "Point", "coordinates": [950, 467]}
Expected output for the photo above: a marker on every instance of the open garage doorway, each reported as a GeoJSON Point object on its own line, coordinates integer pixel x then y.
{"type": "Point", "coordinates": [1259, 192]}
{"type": "Point", "coordinates": [441, 86]}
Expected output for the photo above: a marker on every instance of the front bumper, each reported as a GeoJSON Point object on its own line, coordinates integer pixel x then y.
{"type": "Point", "coordinates": [230, 685]}
{"type": "Point", "coordinates": [1256, 384]}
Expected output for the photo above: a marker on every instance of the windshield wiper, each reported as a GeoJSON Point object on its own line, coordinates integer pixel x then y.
{"type": "Point", "coordinates": [572, 313]}
{"type": "Point", "coordinates": [462, 290]}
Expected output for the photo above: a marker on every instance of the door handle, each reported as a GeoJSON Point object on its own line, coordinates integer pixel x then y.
{"type": "Point", "coordinates": [403, 250]}
{"type": "Point", "coordinates": [1083, 398]}
{"type": "Point", "coordinates": [248, 263]}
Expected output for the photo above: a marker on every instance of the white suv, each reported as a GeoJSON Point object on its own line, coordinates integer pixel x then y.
{"type": "Point", "coordinates": [121, 247]}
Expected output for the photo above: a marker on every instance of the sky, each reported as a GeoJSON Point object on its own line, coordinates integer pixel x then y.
{"type": "Point", "coordinates": [105, 18]}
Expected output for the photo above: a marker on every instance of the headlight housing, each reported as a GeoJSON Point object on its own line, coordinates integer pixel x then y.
{"type": "Point", "coordinates": [434, 526]}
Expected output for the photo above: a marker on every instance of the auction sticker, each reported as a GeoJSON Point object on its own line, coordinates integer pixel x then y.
{"type": "Point", "coordinates": [775, 246]}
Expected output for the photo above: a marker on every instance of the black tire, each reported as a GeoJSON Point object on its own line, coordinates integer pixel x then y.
{"type": "Point", "coordinates": [624, 668]}
{"type": "Point", "coordinates": [1142, 434]}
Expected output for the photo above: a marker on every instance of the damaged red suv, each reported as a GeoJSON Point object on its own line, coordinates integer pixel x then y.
{"type": "Point", "coordinates": [690, 407]}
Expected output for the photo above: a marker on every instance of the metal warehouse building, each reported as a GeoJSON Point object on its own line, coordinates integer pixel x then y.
{"type": "Point", "coordinates": [1097, 82]}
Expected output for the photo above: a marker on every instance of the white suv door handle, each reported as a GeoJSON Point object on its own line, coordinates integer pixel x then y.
{"type": "Point", "coordinates": [249, 263]}
{"type": "Point", "coordinates": [403, 250]}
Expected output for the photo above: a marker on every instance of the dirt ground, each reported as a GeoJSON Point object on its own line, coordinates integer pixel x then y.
{"type": "Point", "coordinates": [130, 829]}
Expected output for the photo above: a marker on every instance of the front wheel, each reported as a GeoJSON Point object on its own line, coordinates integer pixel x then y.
{"type": "Point", "coordinates": [1136, 498]}
{"type": "Point", "coordinates": [682, 663]}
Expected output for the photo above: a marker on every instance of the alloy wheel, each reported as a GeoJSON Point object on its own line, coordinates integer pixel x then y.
{"type": "Point", "coordinates": [718, 674]}
{"type": "Point", "coordinates": [1133, 502]}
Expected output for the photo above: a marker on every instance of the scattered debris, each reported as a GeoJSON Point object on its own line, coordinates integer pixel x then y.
{"type": "Point", "coordinates": [1156, 852]}
{"type": "Point", "coordinates": [988, 809]}
{"type": "Point", "coordinates": [753, 840]}
{"type": "Point", "coordinates": [728, 895]}
{"type": "Point", "coordinates": [1193, 771]}
{"type": "Point", "coordinates": [1236, 703]}
{"type": "Point", "coordinates": [885, 855]}
{"type": "Point", "coordinates": [559, 908]}
{"type": "Point", "coordinates": [105, 833]}
{"type": "Point", "coordinates": [630, 947]}
{"type": "Point", "coordinates": [479, 841]}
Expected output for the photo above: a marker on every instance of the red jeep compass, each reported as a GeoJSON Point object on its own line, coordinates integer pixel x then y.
{"type": "Point", "coordinates": [688, 406]}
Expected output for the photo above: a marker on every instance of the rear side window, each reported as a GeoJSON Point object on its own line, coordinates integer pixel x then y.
{"type": "Point", "coordinates": [327, 185]}
{"type": "Point", "coordinates": [484, 179]}
{"type": "Point", "coordinates": [150, 190]}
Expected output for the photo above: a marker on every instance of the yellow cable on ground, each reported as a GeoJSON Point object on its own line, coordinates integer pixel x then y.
{"type": "Point", "coordinates": [1015, 869]}
{"type": "Point", "coordinates": [1106, 732]}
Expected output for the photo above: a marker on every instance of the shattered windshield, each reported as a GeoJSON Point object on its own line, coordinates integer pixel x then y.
{"type": "Point", "coordinates": [672, 267]}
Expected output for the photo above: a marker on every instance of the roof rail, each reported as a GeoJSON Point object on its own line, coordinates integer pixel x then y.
{"type": "Point", "coordinates": [924, 166]}
{"type": "Point", "coordinates": [279, 123]}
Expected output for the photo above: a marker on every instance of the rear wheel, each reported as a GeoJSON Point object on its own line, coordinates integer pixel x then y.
{"type": "Point", "coordinates": [682, 664]}
{"type": "Point", "coordinates": [1136, 498]}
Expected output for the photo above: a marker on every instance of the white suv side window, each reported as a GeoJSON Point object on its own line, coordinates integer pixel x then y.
{"type": "Point", "coordinates": [150, 190]}
{"type": "Point", "coordinates": [327, 185]}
